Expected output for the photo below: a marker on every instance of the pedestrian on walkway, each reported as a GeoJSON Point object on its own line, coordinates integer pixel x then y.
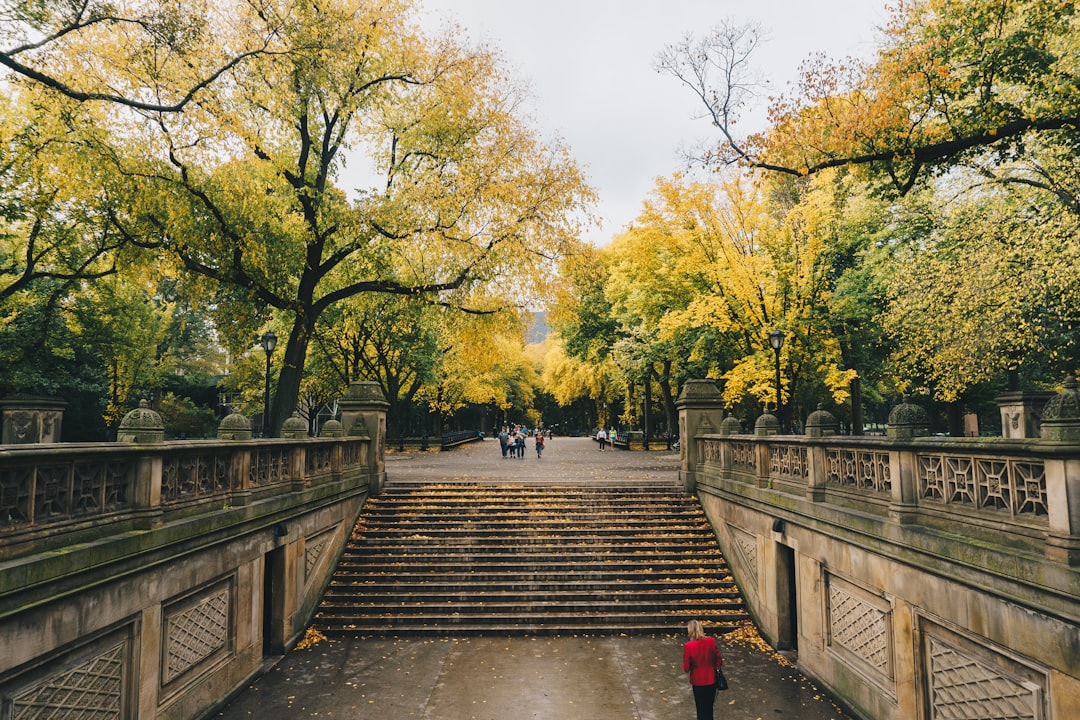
{"type": "Point", "coordinates": [504, 441]}
{"type": "Point", "coordinates": [539, 444]}
{"type": "Point", "coordinates": [601, 437]}
{"type": "Point", "coordinates": [519, 442]}
{"type": "Point", "coordinates": [702, 659]}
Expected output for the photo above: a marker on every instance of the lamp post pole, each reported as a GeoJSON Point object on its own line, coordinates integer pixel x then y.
{"type": "Point", "coordinates": [776, 340]}
{"type": "Point", "coordinates": [268, 341]}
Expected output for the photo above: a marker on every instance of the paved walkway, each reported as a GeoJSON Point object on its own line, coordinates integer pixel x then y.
{"type": "Point", "coordinates": [549, 678]}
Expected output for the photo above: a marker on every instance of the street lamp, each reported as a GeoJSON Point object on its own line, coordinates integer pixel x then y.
{"type": "Point", "coordinates": [776, 340]}
{"type": "Point", "coordinates": [268, 341]}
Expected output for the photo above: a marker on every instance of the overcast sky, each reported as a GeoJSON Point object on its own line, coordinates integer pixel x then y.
{"type": "Point", "coordinates": [589, 64]}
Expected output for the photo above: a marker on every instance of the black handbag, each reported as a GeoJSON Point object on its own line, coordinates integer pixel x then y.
{"type": "Point", "coordinates": [721, 681]}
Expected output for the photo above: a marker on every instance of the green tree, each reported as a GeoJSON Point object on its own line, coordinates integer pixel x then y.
{"type": "Point", "coordinates": [468, 189]}
{"type": "Point", "coordinates": [955, 81]}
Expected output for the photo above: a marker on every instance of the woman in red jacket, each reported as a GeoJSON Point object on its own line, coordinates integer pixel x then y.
{"type": "Point", "coordinates": [701, 658]}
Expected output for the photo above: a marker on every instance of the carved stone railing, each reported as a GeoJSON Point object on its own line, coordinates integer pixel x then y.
{"type": "Point", "coordinates": [56, 494]}
{"type": "Point", "coordinates": [1025, 488]}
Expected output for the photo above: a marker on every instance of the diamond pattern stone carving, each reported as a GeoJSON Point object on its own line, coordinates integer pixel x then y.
{"type": "Point", "coordinates": [197, 632]}
{"type": "Point", "coordinates": [746, 544]}
{"type": "Point", "coordinates": [312, 552]}
{"type": "Point", "coordinates": [1011, 486]}
{"type": "Point", "coordinates": [92, 690]}
{"type": "Point", "coordinates": [964, 688]}
{"type": "Point", "coordinates": [860, 627]}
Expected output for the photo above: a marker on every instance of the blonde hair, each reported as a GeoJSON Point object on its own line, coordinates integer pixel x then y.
{"type": "Point", "coordinates": [694, 630]}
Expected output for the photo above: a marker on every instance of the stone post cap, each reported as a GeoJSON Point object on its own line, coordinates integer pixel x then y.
{"type": "Point", "coordinates": [1061, 415]}
{"type": "Point", "coordinates": [699, 391]}
{"type": "Point", "coordinates": [365, 393]}
{"type": "Point", "coordinates": [767, 424]}
{"type": "Point", "coordinates": [234, 426]}
{"type": "Point", "coordinates": [731, 425]}
{"type": "Point", "coordinates": [141, 425]}
{"type": "Point", "coordinates": [331, 428]}
{"type": "Point", "coordinates": [908, 420]}
{"type": "Point", "coordinates": [294, 427]}
{"type": "Point", "coordinates": [821, 423]}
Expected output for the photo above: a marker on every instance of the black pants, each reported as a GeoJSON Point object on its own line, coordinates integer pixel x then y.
{"type": "Point", "coordinates": [704, 695]}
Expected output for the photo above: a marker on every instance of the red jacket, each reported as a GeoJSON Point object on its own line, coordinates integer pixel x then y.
{"type": "Point", "coordinates": [700, 658]}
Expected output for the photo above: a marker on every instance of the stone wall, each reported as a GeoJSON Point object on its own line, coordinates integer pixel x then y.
{"type": "Point", "coordinates": [151, 580]}
{"type": "Point", "coordinates": [916, 578]}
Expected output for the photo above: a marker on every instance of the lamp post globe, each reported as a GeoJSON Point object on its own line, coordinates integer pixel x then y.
{"type": "Point", "coordinates": [268, 342]}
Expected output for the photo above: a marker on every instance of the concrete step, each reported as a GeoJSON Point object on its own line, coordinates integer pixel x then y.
{"type": "Point", "coordinates": [479, 559]}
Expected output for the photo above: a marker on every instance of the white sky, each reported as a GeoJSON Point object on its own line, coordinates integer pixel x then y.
{"type": "Point", "coordinates": [589, 65]}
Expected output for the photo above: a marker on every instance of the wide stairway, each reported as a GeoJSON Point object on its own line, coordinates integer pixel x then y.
{"type": "Point", "coordinates": [465, 559]}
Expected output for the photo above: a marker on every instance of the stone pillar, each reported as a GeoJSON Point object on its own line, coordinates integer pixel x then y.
{"type": "Point", "coordinates": [906, 421]}
{"type": "Point", "coordinates": [820, 423]}
{"type": "Point", "coordinates": [1022, 413]}
{"type": "Point", "coordinates": [28, 420]}
{"type": "Point", "coordinates": [363, 414]}
{"type": "Point", "coordinates": [1061, 430]}
{"type": "Point", "coordinates": [701, 411]}
{"type": "Point", "coordinates": [767, 425]}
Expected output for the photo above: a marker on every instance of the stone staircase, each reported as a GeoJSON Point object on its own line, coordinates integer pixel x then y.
{"type": "Point", "coordinates": [459, 559]}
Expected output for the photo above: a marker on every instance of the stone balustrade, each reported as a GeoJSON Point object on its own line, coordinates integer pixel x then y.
{"type": "Point", "coordinates": [1025, 490]}
{"type": "Point", "coordinates": [914, 576]}
{"type": "Point", "coordinates": [52, 495]}
{"type": "Point", "coordinates": [149, 579]}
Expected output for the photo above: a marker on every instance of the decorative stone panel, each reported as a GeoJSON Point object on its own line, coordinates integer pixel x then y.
{"type": "Point", "coordinates": [963, 685]}
{"type": "Point", "coordinates": [1015, 487]}
{"type": "Point", "coordinates": [747, 548]}
{"type": "Point", "coordinates": [789, 461]}
{"type": "Point", "coordinates": [196, 630]}
{"type": "Point", "coordinates": [858, 469]}
{"type": "Point", "coordinates": [91, 687]}
{"type": "Point", "coordinates": [313, 550]}
{"type": "Point", "coordinates": [744, 457]}
{"type": "Point", "coordinates": [860, 629]}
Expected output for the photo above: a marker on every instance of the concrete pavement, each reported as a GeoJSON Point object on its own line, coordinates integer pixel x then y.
{"type": "Point", "coordinates": [549, 678]}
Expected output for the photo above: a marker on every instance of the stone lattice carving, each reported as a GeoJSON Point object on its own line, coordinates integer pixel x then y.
{"type": "Point", "coordinates": [1014, 486]}
{"type": "Point", "coordinates": [712, 452]}
{"type": "Point", "coordinates": [92, 690]}
{"type": "Point", "coordinates": [268, 467]}
{"type": "Point", "coordinates": [788, 461]}
{"type": "Point", "coordinates": [858, 469]}
{"type": "Point", "coordinates": [351, 454]}
{"type": "Point", "coordinates": [197, 632]}
{"type": "Point", "coordinates": [312, 552]}
{"type": "Point", "coordinates": [15, 496]}
{"type": "Point", "coordinates": [746, 545]}
{"type": "Point", "coordinates": [317, 460]}
{"type": "Point", "coordinates": [744, 457]}
{"type": "Point", "coordinates": [188, 476]}
{"type": "Point", "coordinates": [861, 628]}
{"type": "Point", "coordinates": [962, 686]}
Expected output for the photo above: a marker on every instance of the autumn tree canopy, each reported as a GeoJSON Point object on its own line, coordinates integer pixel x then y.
{"type": "Point", "coordinates": [239, 191]}
{"type": "Point", "coordinates": [953, 80]}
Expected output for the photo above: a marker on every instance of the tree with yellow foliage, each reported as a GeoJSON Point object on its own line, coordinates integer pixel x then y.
{"type": "Point", "coordinates": [240, 189]}
{"type": "Point", "coordinates": [955, 81]}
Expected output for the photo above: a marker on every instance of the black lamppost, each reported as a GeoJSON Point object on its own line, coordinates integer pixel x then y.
{"type": "Point", "coordinates": [776, 340]}
{"type": "Point", "coordinates": [268, 341]}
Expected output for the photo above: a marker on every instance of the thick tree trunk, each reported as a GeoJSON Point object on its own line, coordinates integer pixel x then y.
{"type": "Point", "coordinates": [287, 393]}
{"type": "Point", "coordinates": [670, 416]}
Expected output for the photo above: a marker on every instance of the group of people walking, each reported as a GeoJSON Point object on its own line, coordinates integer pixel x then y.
{"type": "Point", "coordinates": [512, 441]}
